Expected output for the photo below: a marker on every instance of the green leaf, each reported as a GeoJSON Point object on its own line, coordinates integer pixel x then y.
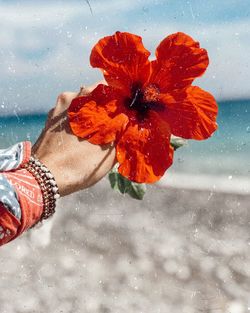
{"type": "Point", "coordinates": [137, 191]}
{"type": "Point", "coordinates": [177, 142]}
{"type": "Point", "coordinates": [123, 185]}
{"type": "Point", "coordinates": [113, 180]}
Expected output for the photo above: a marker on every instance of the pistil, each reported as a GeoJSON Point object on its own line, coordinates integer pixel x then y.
{"type": "Point", "coordinates": [144, 100]}
{"type": "Point", "coordinates": [136, 99]}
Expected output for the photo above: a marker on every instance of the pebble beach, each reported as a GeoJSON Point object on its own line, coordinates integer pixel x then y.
{"type": "Point", "coordinates": [176, 251]}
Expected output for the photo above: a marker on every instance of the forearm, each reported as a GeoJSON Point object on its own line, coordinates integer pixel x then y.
{"type": "Point", "coordinates": [75, 164]}
{"type": "Point", "coordinates": [21, 202]}
{"type": "Point", "coordinates": [10, 211]}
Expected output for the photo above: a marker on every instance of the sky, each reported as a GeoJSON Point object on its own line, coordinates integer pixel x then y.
{"type": "Point", "coordinates": [45, 45]}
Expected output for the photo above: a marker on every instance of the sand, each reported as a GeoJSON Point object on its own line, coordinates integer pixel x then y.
{"type": "Point", "coordinates": [176, 251]}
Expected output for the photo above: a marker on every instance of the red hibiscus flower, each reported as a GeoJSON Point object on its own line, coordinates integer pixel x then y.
{"type": "Point", "coordinates": [145, 102]}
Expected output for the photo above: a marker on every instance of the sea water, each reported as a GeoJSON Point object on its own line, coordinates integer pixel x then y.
{"type": "Point", "coordinates": [225, 157]}
{"type": "Point", "coordinates": [227, 151]}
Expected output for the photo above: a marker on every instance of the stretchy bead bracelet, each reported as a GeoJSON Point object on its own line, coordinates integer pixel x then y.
{"type": "Point", "coordinates": [47, 185]}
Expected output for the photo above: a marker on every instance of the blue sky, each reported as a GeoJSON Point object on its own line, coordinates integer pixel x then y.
{"type": "Point", "coordinates": [45, 45]}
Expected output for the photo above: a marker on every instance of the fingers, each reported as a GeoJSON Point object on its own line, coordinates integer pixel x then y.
{"type": "Point", "coordinates": [86, 90]}
{"type": "Point", "coordinates": [63, 102]}
{"type": "Point", "coordinates": [92, 87]}
{"type": "Point", "coordinates": [64, 99]}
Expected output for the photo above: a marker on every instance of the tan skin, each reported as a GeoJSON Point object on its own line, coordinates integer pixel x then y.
{"type": "Point", "coordinates": [75, 163]}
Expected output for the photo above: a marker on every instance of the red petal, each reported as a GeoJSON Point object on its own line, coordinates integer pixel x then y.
{"type": "Point", "coordinates": [191, 113]}
{"type": "Point", "coordinates": [179, 61]}
{"type": "Point", "coordinates": [123, 59]}
{"type": "Point", "coordinates": [95, 117]}
{"type": "Point", "coordinates": [144, 153]}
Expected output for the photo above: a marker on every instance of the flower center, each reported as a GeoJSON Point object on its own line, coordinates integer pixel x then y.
{"type": "Point", "coordinates": [143, 100]}
{"type": "Point", "coordinates": [151, 94]}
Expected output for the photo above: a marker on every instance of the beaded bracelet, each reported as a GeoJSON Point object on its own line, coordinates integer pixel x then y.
{"type": "Point", "coordinates": [47, 185]}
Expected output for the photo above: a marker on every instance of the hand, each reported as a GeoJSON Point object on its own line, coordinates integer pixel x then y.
{"type": "Point", "coordinates": [75, 163]}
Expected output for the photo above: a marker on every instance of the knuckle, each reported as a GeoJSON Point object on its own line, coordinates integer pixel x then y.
{"type": "Point", "coordinates": [51, 112]}
{"type": "Point", "coordinates": [62, 98]}
{"type": "Point", "coordinates": [50, 117]}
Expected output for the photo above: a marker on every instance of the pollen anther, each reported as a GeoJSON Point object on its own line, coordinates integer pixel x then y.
{"type": "Point", "coordinates": [151, 93]}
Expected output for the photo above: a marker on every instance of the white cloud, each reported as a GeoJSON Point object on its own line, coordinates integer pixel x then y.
{"type": "Point", "coordinates": [51, 13]}
{"type": "Point", "coordinates": [228, 46]}
{"type": "Point", "coordinates": [44, 48]}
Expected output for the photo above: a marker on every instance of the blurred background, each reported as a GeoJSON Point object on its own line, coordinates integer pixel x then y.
{"type": "Point", "coordinates": [186, 247]}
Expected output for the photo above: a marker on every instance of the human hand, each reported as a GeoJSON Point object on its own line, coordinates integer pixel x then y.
{"type": "Point", "coordinates": [75, 163]}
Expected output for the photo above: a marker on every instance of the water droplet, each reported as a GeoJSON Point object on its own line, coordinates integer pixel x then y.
{"type": "Point", "coordinates": [230, 177]}
{"type": "Point", "coordinates": [69, 35]}
{"type": "Point", "coordinates": [11, 69]}
{"type": "Point", "coordinates": [180, 160]}
{"type": "Point", "coordinates": [248, 129]}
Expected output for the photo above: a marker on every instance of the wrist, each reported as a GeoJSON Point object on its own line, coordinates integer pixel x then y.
{"type": "Point", "coordinates": [47, 184]}
{"type": "Point", "coordinates": [64, 179]}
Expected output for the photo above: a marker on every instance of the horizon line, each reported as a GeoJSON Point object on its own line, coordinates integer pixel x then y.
{"type": "Point", "coordinates": [41, 113]}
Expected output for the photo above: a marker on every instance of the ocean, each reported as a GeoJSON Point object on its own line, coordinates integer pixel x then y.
{"type": "Point", "coordinates": [221, 162]}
